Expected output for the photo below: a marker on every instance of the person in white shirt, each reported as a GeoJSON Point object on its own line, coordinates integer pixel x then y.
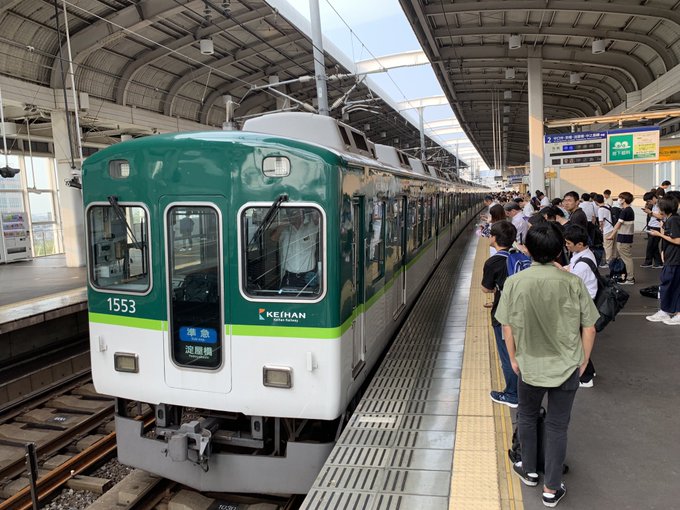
{"type": "Point", "coordinates": [576, 241]}
{"type": "Point", "coordinates": [608, 200]}
{"type": "Point", "coordinates": [588, 207]}
{"type": "Point", "coordinates": [544, 201]}
{"type": "Point", "coordinates": [298, 242]}
{"type": "Point", "coordinates": [604, 218]}
{"type": "Point", "coordinates": [527, 208]}
{"type": "Point", "coordinates": [514, 212]}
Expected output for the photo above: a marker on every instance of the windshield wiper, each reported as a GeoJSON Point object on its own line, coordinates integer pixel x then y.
{"type": "Point", "coordinates": [113, 200]}
{"type": "Point", "coordinates": [268, 218]}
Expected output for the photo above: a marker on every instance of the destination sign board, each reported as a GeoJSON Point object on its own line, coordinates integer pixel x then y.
{"type": "Point", "coordinates": [575, 149]}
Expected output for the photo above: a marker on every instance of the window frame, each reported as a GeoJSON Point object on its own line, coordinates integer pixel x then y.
{"type": "Point", "coordinates": [89, 253]}
{"type": "Point", "coordinates": [323, 254]}
{"type": "Point", "coordinates": [169, 289]}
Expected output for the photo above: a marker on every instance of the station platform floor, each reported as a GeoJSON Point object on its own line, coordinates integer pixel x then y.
{"type": "Point", "coordinates": [427, 435]}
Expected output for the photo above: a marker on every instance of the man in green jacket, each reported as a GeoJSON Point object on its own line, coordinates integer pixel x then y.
{"type": "Point", "coordinates": [548, 321]}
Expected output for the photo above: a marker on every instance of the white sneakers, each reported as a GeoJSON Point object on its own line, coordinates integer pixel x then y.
{"type": "Point", "coordinates": [675, 321]}
{"type": "Point", "coordinates": [659, 316]}
{"type": "Point", "coordinates": [664, 317]}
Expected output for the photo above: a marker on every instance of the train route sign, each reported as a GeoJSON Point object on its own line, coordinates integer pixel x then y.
{"type": "Point", "coordinates": [575, 149]}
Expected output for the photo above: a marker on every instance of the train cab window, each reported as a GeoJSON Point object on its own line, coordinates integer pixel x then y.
{"type": "Point", "coordinates": [194, 270]}
{"type": "Point", "coordinates": [118, 247]}
{"type": "Point", "coordinates": [283, 254]}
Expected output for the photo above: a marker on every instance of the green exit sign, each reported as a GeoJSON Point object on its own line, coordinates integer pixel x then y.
{"type": "Point", "coordinates": [621, 147]}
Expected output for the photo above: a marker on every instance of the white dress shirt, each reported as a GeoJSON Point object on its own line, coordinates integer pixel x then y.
{"type": "Point", "coordinates": [583, 270]}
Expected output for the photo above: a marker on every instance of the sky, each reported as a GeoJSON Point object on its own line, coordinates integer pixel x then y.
{"type": "Point", "coordinates": [380, 28]}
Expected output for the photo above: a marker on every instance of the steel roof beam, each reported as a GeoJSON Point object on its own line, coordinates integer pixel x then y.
{"type": "Point", "coordinates": [118, 25]}
{"type": "Point", "coordinates": [630, 9]}
{"type": "Point", "coordinates": [635, 68]}
{"type": "Point", "coordinates": [170, 46]}
{"type": "Point", "coordinates": [657, 46]}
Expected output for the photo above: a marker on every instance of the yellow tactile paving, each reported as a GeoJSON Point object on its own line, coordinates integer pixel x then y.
{"type": "Point", "coordinates": [481, 476]}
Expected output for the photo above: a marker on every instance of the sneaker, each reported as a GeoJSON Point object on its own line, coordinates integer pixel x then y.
{"type": "Point", "coordinates": [530, 479]}
{"type": "Point", "coordinates": [673, 321]}
{"type": "Point", "coordinates": [659, 316]}
{"type": "Point", "coordinates": [629, 281]}
{"type": "Point", "coordinates": [646, 265]}
{"type": "Point", "coordinates": [502, 398]}
{"type": "Point", "coordinates": [588, 384]}
{"type": "Point", "coordinates": [550, 500]}
{"type": "Point", "coordinates": [658, 267]}
{"type": "Point", "coordinates": [603, 265]}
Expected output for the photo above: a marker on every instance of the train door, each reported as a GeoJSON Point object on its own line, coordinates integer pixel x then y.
{"type": "Point", "coordinates": [401, 213]}
{"type": "Point", "coordinates": [358, 284]}
{"type": "Point", "coordinates": [437, 204]}
{"type": "Point", "coordinates": [197, 346]}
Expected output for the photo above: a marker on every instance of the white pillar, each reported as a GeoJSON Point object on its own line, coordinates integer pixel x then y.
{"type": "Point", "coordinates": [535, 90]}
{"type": "Point", "coordinates": [70, 199]}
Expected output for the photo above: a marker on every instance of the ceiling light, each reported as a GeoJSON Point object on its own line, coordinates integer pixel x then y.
{"type": "Point", "coordinates": [574, 78]}
{"type": "Point", "coordinates": [207, 47]}
{"type": "Point", "coordinates": [515, 42]}
{"type": "Point", "coordinates": [509, 73]}
{"type": "Point", "coordinates": [507, 94]}
{"type": "Point", "coordinates": [599, 46]}
{"type": "Point", "coordinates": [506, 109]}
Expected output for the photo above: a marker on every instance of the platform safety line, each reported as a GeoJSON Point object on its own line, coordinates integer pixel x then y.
{"type": "Point", "coordinates": [503, 420]}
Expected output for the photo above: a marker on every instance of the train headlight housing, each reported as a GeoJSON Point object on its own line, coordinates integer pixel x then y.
{"type": "Point", "coordinates": [126, 362]}
{"type": "Point", "coordinates": [276, 166]}
{"type": "Point", "coordinates": [277, 377]}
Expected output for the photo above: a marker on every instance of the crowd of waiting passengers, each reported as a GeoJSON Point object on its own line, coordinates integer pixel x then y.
{"type": "Point", "coordinates": [545, 256]}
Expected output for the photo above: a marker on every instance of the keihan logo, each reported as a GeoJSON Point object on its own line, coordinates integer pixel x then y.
{"type": "Point", "coordinates": [261, 311]}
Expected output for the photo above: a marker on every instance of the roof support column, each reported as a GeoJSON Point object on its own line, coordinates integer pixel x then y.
{"type": "Point", "coordinates": [421, 126]}
{"type": "Point", "coordinates": [535, 90]}
{"type": "Point", "coordinates": [70, 199]}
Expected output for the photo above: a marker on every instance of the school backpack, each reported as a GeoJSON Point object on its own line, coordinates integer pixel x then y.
{"type": "Point", "coordinates": [610, 298]}
{"type": "Point", "coordinates": [617, 269]}
{"type": "Point", "coordinates": [595, 241]}
{"type": "Point", "coordinates": [516, 261]}
{"type": "Point", "coordinates": [615, 212]}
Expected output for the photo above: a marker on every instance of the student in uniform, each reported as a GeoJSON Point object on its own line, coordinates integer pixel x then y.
{"type": "Point", "coordinates": [623, 233]}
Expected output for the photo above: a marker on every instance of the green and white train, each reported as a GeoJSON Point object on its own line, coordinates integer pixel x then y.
{"type": "Point", "coordinates": [244, 284]}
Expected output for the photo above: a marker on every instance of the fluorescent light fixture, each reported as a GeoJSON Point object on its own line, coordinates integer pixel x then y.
{"type": "Point", "coordinates": [507, 94]}
{"type": "Point", "coordinates": [574, 78]}
{"type": "Point", "coordinates": [509, 73]}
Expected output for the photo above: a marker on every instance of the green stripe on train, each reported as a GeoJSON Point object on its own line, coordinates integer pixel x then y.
{"type": "Point", "coordinates": [131, 322]}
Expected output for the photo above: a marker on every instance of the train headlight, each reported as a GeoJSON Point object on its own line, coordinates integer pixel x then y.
{"type": "Point", "coordinates": [126, 362]}
{"type": "Point", "coordinates": [276, 166]}
{"type": "Point", "coordinates": [277, 377]}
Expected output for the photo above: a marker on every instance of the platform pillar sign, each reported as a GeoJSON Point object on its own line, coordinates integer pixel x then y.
{"type": "Point", "coordinates": [632, 145]}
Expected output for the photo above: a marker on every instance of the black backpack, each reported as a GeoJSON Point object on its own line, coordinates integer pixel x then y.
{"type": "Point", "coordinates": [615, 212]}
{"type": "Point", "coordinates": [610, 298]}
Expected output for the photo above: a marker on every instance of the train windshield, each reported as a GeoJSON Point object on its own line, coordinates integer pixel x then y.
{"type": "Point", "coordinates": [283, 259]}
{"type": "Point", "coordinates": [119, 251]}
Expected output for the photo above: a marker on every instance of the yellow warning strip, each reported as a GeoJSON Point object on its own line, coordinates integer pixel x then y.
{"type": "Point", "coordinates": [481, 476]}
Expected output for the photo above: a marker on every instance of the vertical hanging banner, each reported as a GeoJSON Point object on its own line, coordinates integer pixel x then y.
{"type": "Point", "coordinates": [632, 145]}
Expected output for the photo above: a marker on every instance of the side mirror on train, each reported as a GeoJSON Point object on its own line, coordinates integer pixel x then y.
{"type": "Point", "coordinates": [7, 172]}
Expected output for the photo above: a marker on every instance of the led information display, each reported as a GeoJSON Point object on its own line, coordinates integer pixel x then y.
{"type": "Point", "coordinates": [575, 149]}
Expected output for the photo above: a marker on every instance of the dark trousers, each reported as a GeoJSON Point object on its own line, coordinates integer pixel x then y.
{"type": "Point", "coordinates": [508, 373]}
{"type": "Point", "coordinates": [560, 401]}
{"type": "Point", "coordinates": [653, 255]}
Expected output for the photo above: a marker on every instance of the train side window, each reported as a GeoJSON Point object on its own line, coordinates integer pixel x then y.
{"type": "Point", "coordinates": [119, 248]}
{"type": "Point", "coordinates": [376, 232]}
{"type": "Point", "coordinates": [283, 253]}
{"type": "Point", "coordinates": [194, 268]}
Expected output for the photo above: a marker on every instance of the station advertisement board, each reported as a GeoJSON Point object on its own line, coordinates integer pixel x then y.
{"type": "Point", "coordinates": [633, 144]}
{"type": "Point", "coordinates": [575, 149]}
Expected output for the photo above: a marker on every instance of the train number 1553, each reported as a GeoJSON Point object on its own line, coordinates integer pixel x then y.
{"type": "Point", "coordinates": [122, 305]}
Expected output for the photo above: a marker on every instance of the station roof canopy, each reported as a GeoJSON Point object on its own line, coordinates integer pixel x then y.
{"type": "Point", "coordinates": [594, 54]}
{"type": "Point", "coordinates": [146, 54]}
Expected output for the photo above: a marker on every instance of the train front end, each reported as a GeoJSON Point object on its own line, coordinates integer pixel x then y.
{"type": "Point", "coordinates": [209, 300]}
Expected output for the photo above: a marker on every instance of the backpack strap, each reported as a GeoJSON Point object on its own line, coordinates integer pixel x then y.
{"type": "Point", "coordinates": [600, 280]}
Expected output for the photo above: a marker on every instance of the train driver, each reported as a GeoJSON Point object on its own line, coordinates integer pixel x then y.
{"type": "Point", "coordinates": [298, 241]}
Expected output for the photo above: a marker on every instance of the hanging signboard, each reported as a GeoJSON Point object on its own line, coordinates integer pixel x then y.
{"type": "Point", "coordinates": [575, 149]}
{"type": "Point", "coordinates": [633, 145]}
{"type": "Point", "coordinates": [669, 153]}
{"type": "Point", "coordinates": [515, 179]}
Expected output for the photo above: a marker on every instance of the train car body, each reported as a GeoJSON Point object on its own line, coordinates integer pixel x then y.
{"type": "Point", "coordinates": [244, 284]}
